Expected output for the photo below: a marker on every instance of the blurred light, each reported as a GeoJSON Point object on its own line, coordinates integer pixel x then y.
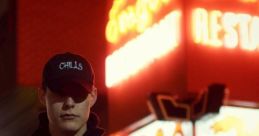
{"type": "Point", "coordinates": [206, 27]}
{"type": "Point", "coordinates": [231, 121]}
{"type": "Point", "coordinates": [125, 18]}
{"type": "Point", "coordinates": [215, 28]}
{"type": "Point", "coordinates": [249, 1]}
{"type": "Point", "coordinates": [230, 30]}
{"type": "Point", "coordinates": [164, 128]}
{"type": "Point", "coordinates": [229, 22]}
{"type": "Point", "coordinates": [244, 20]}
{"type": "Point", "coordinates": [200, 29]}
{"type": "Point", "coordinates": [138, 53]}
{"type": "Point", "coordinates": [254, 31]}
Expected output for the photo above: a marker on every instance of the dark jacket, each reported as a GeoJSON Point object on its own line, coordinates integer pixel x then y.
{"type": "Point", "coordinates": [92, 126]}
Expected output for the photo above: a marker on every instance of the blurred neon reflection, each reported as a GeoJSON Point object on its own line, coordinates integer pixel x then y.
{"type": "Point", "coordinates": [153, 43]}
{"type": "Point", "coordinates": [227, 29]}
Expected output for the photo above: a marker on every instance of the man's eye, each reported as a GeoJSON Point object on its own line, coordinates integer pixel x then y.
{"type": "Point", "coordinates": [79, 97]}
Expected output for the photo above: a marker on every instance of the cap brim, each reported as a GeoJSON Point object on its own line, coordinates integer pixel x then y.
{"type": "Point", "coordinates": [73, 85]}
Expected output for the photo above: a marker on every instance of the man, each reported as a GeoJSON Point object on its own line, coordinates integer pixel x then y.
{"type": "Point", "coordinates": [68, 93]}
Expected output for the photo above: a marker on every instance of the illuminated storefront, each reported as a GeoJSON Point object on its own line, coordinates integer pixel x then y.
{"type": "Point", "coordinates": [218, 40]}
{"type": "Point", "coordinates": [152, 29]}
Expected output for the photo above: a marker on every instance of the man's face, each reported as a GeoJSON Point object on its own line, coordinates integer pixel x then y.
{"type": "Point", "coordinates": [69, 110]}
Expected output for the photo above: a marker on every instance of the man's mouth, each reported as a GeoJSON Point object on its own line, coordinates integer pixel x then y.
{"type": "Point", "coordinates": [68, 116]}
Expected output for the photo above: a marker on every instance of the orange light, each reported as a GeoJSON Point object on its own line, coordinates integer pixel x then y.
{"type": "Point", "coordinates": [125, 18]}
{"type": "Point", "coordinates": [138, 53]}
{"type": "Point", "coordinates": [231, 30]}
{"type": "Point", "coordinates": [249, 1]}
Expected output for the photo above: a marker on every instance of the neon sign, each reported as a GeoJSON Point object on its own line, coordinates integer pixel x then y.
{"type": "Point", "coordinates": [228, 29]}
{"type": "Point", "coordinates": [209, 27]}
{"type": "Point", "coordinates": [134, 18]}
{"type": "Point", "coordinates": [138, 53]}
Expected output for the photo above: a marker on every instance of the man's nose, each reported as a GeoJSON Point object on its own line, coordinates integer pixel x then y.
{"type": "Point", "coordinates": [69, 102]}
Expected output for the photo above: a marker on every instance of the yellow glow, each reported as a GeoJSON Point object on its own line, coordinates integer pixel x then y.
{"type": "Point", "coordinates": [159, 132]}
{"type": "Point", "coordinates": [112, 31]}
{"type": "Point", "coordinates": [233, 29]}
{"type": "Point", "coordinates": [155, 5]}
{"type": "Point", "coordinates": [241, 120]}
{"type": "Point", "coordinates": [144, 18]}
{"type": "Point", "coordinates": [165, 1]}
{"type": "Point", "coordinates": [249, 1]}
{"type": "Point", "coordinates": [215, 28]}
{"type": "Point", "coordinates": [229, 22]}
{"type": "Point", "coordinates": [116, 7]}
{"type": "Point", "coordinates": [138, 53]}
{"type": "Point", "coordinates": [125, 18]}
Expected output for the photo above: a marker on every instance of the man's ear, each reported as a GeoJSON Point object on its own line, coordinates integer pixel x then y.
{"type": "Point", "coordinates": [93, 96]}
{"type": "Point", "coordinates": [41, 96]}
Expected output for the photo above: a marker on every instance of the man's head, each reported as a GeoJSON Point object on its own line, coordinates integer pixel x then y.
{"type": "Point", "coordinates": [68, 91]}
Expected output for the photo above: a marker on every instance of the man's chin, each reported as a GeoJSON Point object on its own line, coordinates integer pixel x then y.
{"type": "Point", "coordinates": [70, 126]}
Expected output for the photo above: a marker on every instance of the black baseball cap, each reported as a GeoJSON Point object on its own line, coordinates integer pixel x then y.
{"type": "Point", "coordinates": [67, 69]}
